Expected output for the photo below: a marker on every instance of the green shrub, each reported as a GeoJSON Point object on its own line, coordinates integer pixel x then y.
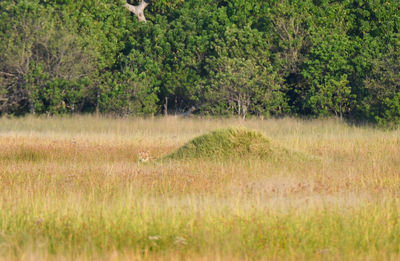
{"type": "Point", "coordinates": [226, 143]}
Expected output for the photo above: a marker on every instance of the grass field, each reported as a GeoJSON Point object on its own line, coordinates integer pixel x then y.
{"type": "Point", "coordinates": [78, 188]}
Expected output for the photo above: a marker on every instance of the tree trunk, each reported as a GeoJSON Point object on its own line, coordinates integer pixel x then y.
{"type": "Point", "coordinates": [166, 107]}
{"type": "Point", "coordinates": [98, 102]}
{"type": "Point", "coordinates": [239, 107]}
{"type": "Point", "coordinates": [245, 106]}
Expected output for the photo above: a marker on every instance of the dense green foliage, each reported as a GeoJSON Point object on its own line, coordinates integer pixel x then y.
{"type": "Point", "coordinates": [258, 57]}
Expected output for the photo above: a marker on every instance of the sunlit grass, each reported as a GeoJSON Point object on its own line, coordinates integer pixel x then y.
{"type": "Point", "coordinates": [76, 188]}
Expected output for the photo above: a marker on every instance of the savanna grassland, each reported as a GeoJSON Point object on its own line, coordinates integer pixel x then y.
{"type": "Point", "coordinates": [85, 187]}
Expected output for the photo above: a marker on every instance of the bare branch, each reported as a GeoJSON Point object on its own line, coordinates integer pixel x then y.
{"type": "Point", "coordinates": [7, 74]}
{"type": "Point", "coordinates": [138, 10]}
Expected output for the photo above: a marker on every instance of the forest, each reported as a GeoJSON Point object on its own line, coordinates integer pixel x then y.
{"type": "Point", "coordinates": [264, 58]}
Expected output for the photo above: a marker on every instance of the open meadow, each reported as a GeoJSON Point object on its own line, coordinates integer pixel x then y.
{"type": "Point", "coordinates": [86, 187]}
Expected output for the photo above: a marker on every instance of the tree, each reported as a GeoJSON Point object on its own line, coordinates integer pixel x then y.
{"type": "Point", "coordinates": [375, 27]}
{"type": "Point", "coordinates": [383, 85]}
{"type": "Point", "coordinates": [291, 42]}
{"type": "Point", "coordinates": [255, 57]}
{"type": "Point", "coordinates": [39, 53]}
{"type": "Point", "coordinates": [129, 92]}
{"type": "Point", "coordinates": [328, 65]}
{"type": "Point", "coordinates": [242, 77]}
{"type": "Point", "coordinates": [242, 87]}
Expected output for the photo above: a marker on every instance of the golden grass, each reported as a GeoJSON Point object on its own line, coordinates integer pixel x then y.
{"type": "Point", "coordinates": [75, 188]}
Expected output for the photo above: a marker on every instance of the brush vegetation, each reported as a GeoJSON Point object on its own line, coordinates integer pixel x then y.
{"type": "Point", "coordinates": [220, 57]}
{"type": "Point", "coordinates": [226, 143]}
{"type": "Point", "coordinates": [73, 188]}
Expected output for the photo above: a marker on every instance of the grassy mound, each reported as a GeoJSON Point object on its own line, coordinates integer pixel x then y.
{"type": "Point", "coordinates": [226, 143]}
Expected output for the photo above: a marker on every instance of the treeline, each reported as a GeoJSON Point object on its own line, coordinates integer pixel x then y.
{"type": "Point", "coordinates": [216, 57]}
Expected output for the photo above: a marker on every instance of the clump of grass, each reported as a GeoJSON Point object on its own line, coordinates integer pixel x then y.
{"type": "Point", "coordinates": [226, 144]}
{"type": "Point", "coordinates": [23, 154]}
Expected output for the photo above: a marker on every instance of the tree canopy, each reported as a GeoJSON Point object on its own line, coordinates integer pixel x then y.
{"type": "Point", "coordinates": [315, 58]}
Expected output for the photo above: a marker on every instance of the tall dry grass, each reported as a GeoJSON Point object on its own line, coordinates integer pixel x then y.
{"type": "Point", "coordinates": [78, 188]}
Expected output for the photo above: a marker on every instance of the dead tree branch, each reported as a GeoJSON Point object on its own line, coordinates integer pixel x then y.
{"type": "Point", "coordinates": [138, 10]}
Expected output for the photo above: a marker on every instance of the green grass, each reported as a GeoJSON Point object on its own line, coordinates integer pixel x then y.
{"type": "Point", "coordinates": [73, 188]}
{"type": "Point", "coordinates": [235, 231]}
{"type": "Point", "coordinates": [225, 143]}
